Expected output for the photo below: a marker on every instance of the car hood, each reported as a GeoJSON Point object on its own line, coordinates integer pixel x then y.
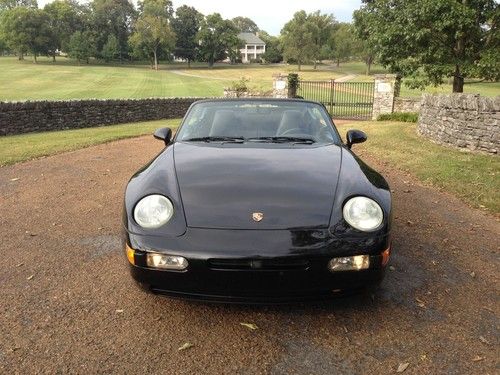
{"type": "Point", "coordinates": [222, 186]}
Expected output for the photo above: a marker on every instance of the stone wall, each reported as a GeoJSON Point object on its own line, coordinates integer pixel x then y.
{"type": "Point", "coordinates": [461, 120]}
{"type": "Point", "coordinates": [407, 104]}
{"type": "Point", "coordinates": [231, 93]}
{"type": "Point", "coordinates": [35, 116]}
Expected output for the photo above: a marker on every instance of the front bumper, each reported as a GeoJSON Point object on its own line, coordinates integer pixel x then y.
{"type": "Point", "coordinates": [256, 266]}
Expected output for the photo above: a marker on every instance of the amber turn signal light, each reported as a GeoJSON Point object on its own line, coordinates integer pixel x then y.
{"type": "Point", "coordinates": [385, 256]}
{"type": "Point", "coordinates": [130, 254]}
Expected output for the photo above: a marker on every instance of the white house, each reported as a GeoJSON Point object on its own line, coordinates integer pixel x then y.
{"type": "Point", "coordinates": [254, 47]}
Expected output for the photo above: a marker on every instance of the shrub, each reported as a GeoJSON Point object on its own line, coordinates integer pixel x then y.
{"type": "Point", "coordinates": [240, 86]}
{"type": "Point", "coordinates": [399, 116]}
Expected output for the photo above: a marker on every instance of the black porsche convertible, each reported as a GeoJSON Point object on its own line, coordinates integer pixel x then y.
{"type": "Point", "coordinates": [257, 200]}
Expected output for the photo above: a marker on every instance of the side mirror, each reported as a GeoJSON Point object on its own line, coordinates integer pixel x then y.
{"type": "Point", "coordinates": [355, 136]}
{"type": "Point", "coordinates": [163, 134]}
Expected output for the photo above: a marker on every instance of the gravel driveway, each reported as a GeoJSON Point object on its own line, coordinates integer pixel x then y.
{"type": "Point", "coordinates": [68, 304]}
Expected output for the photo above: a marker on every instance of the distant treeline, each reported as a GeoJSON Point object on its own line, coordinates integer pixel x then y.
{"type": "Point", "coordinates": [117, 30]}
{"type": "Point", "coordinates": [424, 41]}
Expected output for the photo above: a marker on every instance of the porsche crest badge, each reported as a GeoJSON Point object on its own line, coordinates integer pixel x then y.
{"type": "Point", "coordinates": [257, 216]}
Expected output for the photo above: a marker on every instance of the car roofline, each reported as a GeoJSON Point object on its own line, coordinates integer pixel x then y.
{"type": "Point", "coordinates": [256, 99]}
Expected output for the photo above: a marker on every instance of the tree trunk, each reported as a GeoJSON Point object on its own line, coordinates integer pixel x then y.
{"type": "Point", "coordinates": [458, 80]}
{"type": "Point", "coordinates": [315, 64]}
{"type": "Point", "coordinates": [34, 59]}
{"type": "Point", "coordinates": [21, 56]}
{"type": "Point", "coordinates": [53, 57]}
{"type": "Point", "coordinates": [189, 63]}
{"type": "Point", "coordinates": [299, 65]}
{"type": "Point", "coordinates": [338, 63]}
{"type": "Point", "coordinates": [210, 62]}
{"type": "Point", "coordinates": [156, 59]}
{"type": "Point", "coordinates": [368, 66]}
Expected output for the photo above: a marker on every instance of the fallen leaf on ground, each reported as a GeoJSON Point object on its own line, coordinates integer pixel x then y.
{"type": "Point", "coordinates": [484, 340]}
{"type": "Point", "coordinates": [477, 358]}
{"type": "Point", "coordinates": [420, 303]}
{"type": "Point", "coordinates": [185, 346]}
{"type": "Point", "coordinates": [402, 367]}
{"type": "Point", "coordinates": [392, 268]}
{"type": "Point", "coordinates": [14, 179]}
{"type": "Point", "coordinates": [19, 264]}
{"type": "Point", "coordinates": [250, 326]}
{"type": "Point", "coordinates": [409, 222]}
{"type": "Point", "coordinates": [30, 277]}
{"type": "Point", "coordinates": [473, 274]}
{"type": "Point", "coordinates": [119, 311]}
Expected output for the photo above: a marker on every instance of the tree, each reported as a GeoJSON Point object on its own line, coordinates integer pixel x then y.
{"type": "Point", "coordinates": [298, 39]}
{"type": "Point", "coordinates": [343, 42]}
{"type": "Point", "coordinates": [152, 29]}
{"type": "Point", "coordinates": [10, 4]}
{"type": "Point", "coordinates": [217, 36]}
{"type": "Point", "coordinates": [82, 46]}
{"type": "Point", "coordinates": [365, 47]}
{"type": "Point", "coordinates": [65, 17]}
{"type": "Point", "coordinates": [245, 25]}
{"type": "Point", "coordinates": [321, 27]}
{"type": "Point", "coordinates": [428, 40]}
{"type": "Point", "coordinates": [26, 29]}
{"type": "Point", "coordinates": [113, 17]}
{"type": "Point", "coordinates": [274, 50]}
{"type": "Point", "coordinates": [111, 49]}
{"type": "Point", "coordinates": [186, 25]}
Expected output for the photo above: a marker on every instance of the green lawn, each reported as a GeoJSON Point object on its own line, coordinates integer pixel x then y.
{"type": "Point", "coordinates": [483, 88]}
{"type": "Point", "coordinates": [472, 177]}
{"type": "Point", "coordinates": [66, 79]}
{"type": "Point", "coordinates": [23, 147]}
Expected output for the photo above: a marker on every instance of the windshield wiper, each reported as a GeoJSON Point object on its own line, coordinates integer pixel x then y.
{"type": "Point", "coordinates": [216, 139]}
{"type": "Point", "coordinates": [283, 139]}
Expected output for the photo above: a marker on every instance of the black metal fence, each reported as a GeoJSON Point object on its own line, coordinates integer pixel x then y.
{"type": "Point", "coordinates": [346, 100]}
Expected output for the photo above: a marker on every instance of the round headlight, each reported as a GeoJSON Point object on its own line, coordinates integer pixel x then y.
{"type": "Point", "coordinates": [363, 213]}
{"type": "Point", "coordinates": [153, 211]}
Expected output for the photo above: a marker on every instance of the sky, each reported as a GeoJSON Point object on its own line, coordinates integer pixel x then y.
{"type": "Point", "coordinates": [269, 15]}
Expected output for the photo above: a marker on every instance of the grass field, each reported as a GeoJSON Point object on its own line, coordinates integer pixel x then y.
{"type": "Point", "coordinates": [17, 148]}
{"type": "Point", "coordinates": [66, 79]}
{"type": "Point", "coordinates": [472, 177]}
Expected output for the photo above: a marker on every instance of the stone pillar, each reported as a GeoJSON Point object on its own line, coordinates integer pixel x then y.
{"type": "Point", "coordinates": [280, 85]}
{"type": "Point", "coordinates": [383, 99]}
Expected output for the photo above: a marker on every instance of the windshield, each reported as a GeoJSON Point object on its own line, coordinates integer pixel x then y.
{"type": "Point", "coordinates": [269, 121]}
